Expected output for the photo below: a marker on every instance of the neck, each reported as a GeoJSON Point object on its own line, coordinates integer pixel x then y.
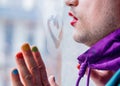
{"type": "Point", "coordinates": [94, 41]}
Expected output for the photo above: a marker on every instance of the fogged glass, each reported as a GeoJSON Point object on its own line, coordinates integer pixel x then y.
{"type": "Point", "coordinates": [53, 22]}
{"type": "Point", "coordinates": [44, 23]}
{"type": "Point", "coordinates": [38, 22]}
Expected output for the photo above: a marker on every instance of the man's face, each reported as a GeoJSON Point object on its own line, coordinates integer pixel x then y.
{"type": "Point", "coordinates": [92, 19]}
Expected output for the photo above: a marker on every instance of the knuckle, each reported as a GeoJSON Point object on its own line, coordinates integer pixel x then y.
{"type": "Point", "coordinates": [28, 77]}
{"type": "Point", "coordinates": [41, 67]}
{"type": "Point", "coordinates": [34, 69]}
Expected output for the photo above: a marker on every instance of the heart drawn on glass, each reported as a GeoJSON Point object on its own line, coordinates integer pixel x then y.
{"type": "Point", "coordinates": [55, 27]}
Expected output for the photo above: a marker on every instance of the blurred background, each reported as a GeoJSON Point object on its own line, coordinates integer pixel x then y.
{"type": "Point", "coordinates": [44, 23]}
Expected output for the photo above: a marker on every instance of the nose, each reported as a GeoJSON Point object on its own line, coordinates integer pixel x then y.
{"type": "Point", "coordinates": [71, 2]}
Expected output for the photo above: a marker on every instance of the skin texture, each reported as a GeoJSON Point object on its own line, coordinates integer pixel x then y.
{"type": "Point", "coordinates": [96, 19]}
{"type": "Point", "coordinates": [31, 69]}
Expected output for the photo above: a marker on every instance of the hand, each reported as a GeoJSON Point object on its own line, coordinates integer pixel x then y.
{"type": "Point", "coordinates": [100, 77]}
{"type": "Point", "coordinates": [31, 69]}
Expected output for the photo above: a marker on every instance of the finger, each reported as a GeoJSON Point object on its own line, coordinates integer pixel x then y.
{"type": "Point", "coordinates": [41, 65]}
{"type": "Point", "coordinates": [15, 78]}
{"type": "Point", "coordinates": [94, 74]}
{"type": "Point", "coordinates": [100, 77]}
{"type": "Point", "coordinates": [37, 56]}
{"type": "Point", "coordinates": [24, 72]}
{"type": "Point", "coordinates": [52, 81]}
{"type": "Point", "coordinates": [31, 64]}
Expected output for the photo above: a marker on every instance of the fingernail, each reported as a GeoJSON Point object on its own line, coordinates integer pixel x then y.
{"type": "Point", "coordinates": [25, 47]}
{"type": "Point", "coordinates": [34, 49]}
{"type": "Point", "coordinates": [15, 71]}
{"type": "Point", "coordinates": [19, 55]}
{"type": "Point", "coordinates": [54, 79]}
{"type": "Point", "coordinates": [78, 66]}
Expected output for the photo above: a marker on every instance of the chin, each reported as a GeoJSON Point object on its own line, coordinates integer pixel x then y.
{"type": "Point", "coordinates": [81, 37]}
{"type": "Point", "coordinates": [77, 40]}
{"type": "Point", "coordinates": [76, 36]}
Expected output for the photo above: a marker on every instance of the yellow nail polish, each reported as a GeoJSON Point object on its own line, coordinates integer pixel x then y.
{"type": "Point", "coordinates": [25, 47]}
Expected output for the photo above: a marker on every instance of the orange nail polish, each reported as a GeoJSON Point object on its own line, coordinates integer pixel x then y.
{"type": "Point", "coordinates": [25, 47]}
{"type": "Point", "coordinates": [19, 55]}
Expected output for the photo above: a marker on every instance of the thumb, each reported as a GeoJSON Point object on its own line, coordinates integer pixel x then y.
{"type": "Point", "coordinates": [52, 81]}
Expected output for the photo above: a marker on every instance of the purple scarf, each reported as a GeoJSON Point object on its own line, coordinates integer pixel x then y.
{"type": "Point", "coordinates": [104, 55]}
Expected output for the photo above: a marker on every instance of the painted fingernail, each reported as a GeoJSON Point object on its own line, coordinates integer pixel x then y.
{"type": "Point", "coordinates": [15, 71]}
{"type": "Point", "coordinates": [25, 47]}
{"type": "Point", "coordinates": [34, 49]}
{"type": "Point", "coordinates": [19, 55]}
{"type": "Point", "coordinates": [78, 66]}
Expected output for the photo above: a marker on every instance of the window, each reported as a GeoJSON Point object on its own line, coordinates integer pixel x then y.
{"type": "Point", "coordinates": [3, 3]}
{"type": "Point", "coordinates": [27, 4]}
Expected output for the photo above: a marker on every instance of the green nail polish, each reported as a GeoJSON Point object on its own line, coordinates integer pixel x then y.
{"type": "Point", "coordinates": [34, 49]}
{"type": "Point", "coordinates": [15, 72]}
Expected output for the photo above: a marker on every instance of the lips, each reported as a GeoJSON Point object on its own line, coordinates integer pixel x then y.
{"type": "Point", "coordinates": [75, 19]}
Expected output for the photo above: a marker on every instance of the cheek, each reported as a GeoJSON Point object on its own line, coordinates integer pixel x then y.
{"type": "Point", "coordinates": [83, 7]}
{"type": "Point", "coordinates": [96, 11]}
